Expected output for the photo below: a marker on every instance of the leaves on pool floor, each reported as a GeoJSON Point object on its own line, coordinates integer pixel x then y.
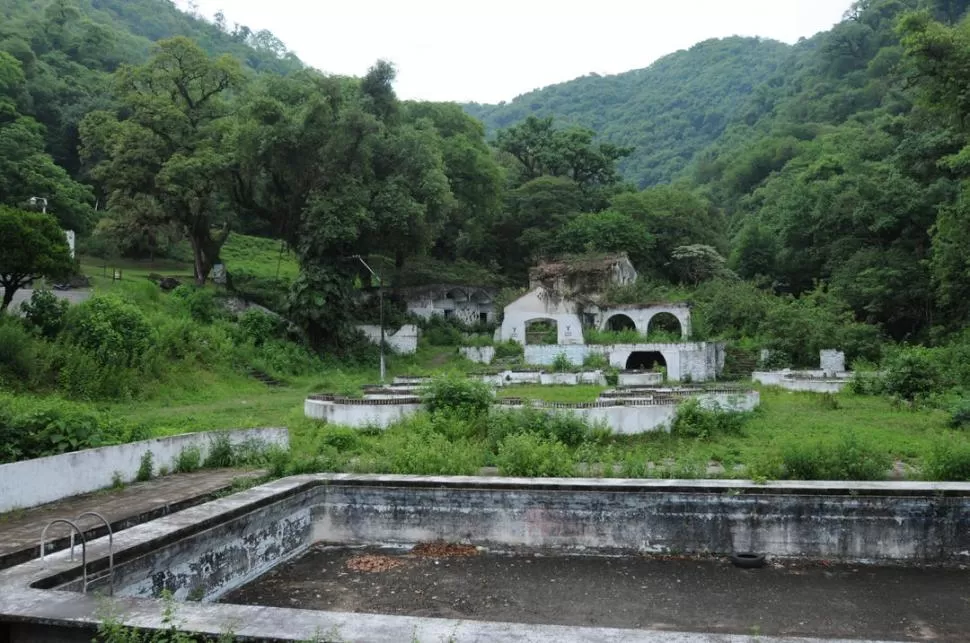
{"type": "Point", "coordinates": [373, 563]}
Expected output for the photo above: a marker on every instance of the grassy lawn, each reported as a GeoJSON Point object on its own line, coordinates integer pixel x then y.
{"type": "Point", "coordinates": [242, 253]}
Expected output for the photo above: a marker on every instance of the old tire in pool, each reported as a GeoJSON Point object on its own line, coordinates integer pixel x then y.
{"type": "Point", "coordinates": [747, 560]}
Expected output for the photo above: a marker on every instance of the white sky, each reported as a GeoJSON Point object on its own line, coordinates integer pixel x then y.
{"type": "Point", "coordinates": [494, 50]}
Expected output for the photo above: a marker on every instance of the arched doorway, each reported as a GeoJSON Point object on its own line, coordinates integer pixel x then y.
{"type": "Point", "coordinates": [620, 322]}
{"type": "Point", "coordinates": [541, 331]}
{"type": "Point", "coordinates": [665, 325]}
{"type": "Point", "coordinates": [645, 361]}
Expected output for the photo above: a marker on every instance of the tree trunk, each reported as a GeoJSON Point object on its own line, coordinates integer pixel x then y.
{"type": "Point", "coordinates": [8, 292]}
{"type": "Point", "coordinates": [201, 271]}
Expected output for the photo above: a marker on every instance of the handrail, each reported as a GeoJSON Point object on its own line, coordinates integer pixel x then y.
{"type": "Point", "coordinates": [111, 540]}
{"type": "Point", "coordinates": [84, 549]}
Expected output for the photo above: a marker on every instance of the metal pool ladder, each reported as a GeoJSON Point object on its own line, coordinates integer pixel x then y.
{"type": "Point", "coordinates": [84, 553]}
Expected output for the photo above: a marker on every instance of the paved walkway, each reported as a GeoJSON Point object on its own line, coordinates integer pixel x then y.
{"type": "Point", "coordinates": [139, 502]}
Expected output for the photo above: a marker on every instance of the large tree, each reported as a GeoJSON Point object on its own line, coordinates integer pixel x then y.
{"type": "Point", "coordinates": [170, 150]}
{"type": "Point", "coordinates": [32, 246]}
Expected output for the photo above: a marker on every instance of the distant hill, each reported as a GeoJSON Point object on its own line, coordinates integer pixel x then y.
{"type": "Point", "coordinates": [668, 111]}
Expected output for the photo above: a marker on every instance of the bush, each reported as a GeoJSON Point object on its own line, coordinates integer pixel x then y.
{"type": "Point", "coordinates": [18, 355]}
{"type": "Point", "coordinates": [258, 327]}
{"type": "Point", "coordinates": [146, 468]}
{"type": "Point", "coordinates": [562, 364]}
{"type": "Point", "coordinates": [912, 374]}
{"type": "Point", "coordinates": [695, 421]}
{"type": "Point", "coordinates": [948, 461]}
{"type": "Point", "coordinates": [201, 303]}
{"type": "Point", "coordinates": [82, 375]}
{"type": "Point", "coordinates": [848, 459]}
{"type": "Point", "coordinates": [220, 452]}
{"type": "Point", "coordinates": [51, 427]}
{"type": "Point", "coordinates": [566, 428]}
{"type": "Point", "coordinates": [420, 450]}
{"type": "Point", "coordinates": [509, 350]}
{"type": "Point", "coordinates": [596, 361]}
{"type": "Point", "coordinates": [458, 394]}
{"type": "Point", "coordinates": [531, 456]}
{"type": "Point", "coordinates": [44, 313]}
{"type": "Point", "coordinates": [960, 415]}
{"type": "Point", "coordinates": [113, 331]}
{"type": "Point", "coordinates": [189, 459]}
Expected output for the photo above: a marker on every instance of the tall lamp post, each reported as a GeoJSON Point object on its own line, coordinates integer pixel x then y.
{"type": "Point", "coordinates": [380, 290]}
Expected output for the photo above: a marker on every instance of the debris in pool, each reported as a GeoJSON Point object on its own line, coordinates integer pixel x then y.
{"type": "Point", "coordinates": [444, 550]}
{"type": "Point", "coordinates": [373, 563]}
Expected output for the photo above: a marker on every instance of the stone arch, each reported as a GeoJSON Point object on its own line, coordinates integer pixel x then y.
{"type": "Point", "coordinates": [457, 295]}
{"type": "Point", "coordinates": [540, 330]}
{"type": "Point", "coordinates": [645, 361]}
{"type": "Point", "coordinates": [620, 322]}
{"type": "Point", "coordinates": [666, 321]}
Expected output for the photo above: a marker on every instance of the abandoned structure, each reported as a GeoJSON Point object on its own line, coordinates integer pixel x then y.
{"type": "Point", "coordinates": [468, 304]}
{"type": "Point", "coordinates": [567, 297]}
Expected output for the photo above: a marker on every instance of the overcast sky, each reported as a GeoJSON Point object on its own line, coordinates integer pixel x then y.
{"type": "Point", "coordinates": [494, 50]}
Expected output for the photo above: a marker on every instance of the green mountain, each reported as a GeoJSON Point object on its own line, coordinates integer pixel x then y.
{"type": "Point", "coordinates": [668, 111]}
{"type": "Point", "coordinates": [67, 50]}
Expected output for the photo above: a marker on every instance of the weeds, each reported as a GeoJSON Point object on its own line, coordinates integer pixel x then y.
{"type": "Point", "coordinates": [146, 468]}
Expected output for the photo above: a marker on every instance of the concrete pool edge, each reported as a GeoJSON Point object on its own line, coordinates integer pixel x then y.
{"type": "Point", "coordinates": [21, 604]}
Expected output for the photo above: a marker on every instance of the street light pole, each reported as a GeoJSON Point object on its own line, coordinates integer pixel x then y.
{"type": "Point", "coordinates": [380, 291]}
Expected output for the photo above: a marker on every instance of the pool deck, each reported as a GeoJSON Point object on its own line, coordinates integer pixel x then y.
{"type": "Point", "coordinates": [139, 502]}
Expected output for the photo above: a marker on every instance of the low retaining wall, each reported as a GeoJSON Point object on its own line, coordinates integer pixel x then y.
{"type": "Point", "coordinates": [403, 341]}
{"type": "Point", "coordinates": [808, 381]}
{"type": "Point", "coordinates": [697, 361]}
{"type": "Point", "coordinates": [478, 354]}
{"type": "Point", "coordinates": [360, 413]}
{"type": "Point", "coordinates": [42, 480]}
{"type": "Point", "coordinates": [639, 378]}
{"type": "Point", "coordinates": [622, 416]}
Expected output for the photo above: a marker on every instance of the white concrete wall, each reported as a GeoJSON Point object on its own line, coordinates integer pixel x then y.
{"type": "Point", "coordinates": [540, 304]}
{"type": "Point", "coordinates": [42, 480]}
{"type": "Point", "coordinates": [545, 354]}
{"type": "Point", "coordinates": [360, 415]}
{"type": "Point", "coordinates": [478, 354]}
{"type": "Point", "coordinates": [404, 341]}
{"type": "Point", "coordinates": [832, 361]}
{"type": "Point", "coordinates": [639, 378]}
{"type": "Point", "coordinates": [642, 315]}
{"type": "Point", "coordinates": [786, 380]}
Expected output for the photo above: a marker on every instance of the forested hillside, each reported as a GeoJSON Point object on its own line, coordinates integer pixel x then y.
{"type": "Point", "coordinates": [666, 112]}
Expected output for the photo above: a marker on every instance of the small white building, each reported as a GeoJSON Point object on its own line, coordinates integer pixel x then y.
{"type": "Point", "coordinates": [468, 304]}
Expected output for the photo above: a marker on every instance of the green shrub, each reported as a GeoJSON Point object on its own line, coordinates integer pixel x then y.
{"type": "Point", "coordinates": [948, 461]}
{"type": "Point", "coordinates": [19, 364]}
{"type": "Point", "coordinates": [609, 337]}
{"type": "Point", "coordinates": [531, 456]}
{"type": "Point", "coordinates": [848, 459]}
{"type": "Point", "coordinates": [509, 350]}
{"type": "Point", "coordinates": [960, 415]}
{"type": "Point", "coordinates": [112, 330]}
{"type": "Point", "coordinates": [596, 361]}
{"type": "Point", "coordinates": [459, 394]}
{"type": "Point", "coordinates": [340, 438]}
{"type": "Point", "coordinates": [189, 459]}
{"type": "Point", "coordinates": [44, 313]}
{"type": "Point", "coordinates": [220, 452]}
{"type": "Point", "coordinates": [51, 427]}
{"type": "Point", "coordinates": [82, 375]}
{"type": "Point", "coordinates": [567, 428]}
{"type": "Point", "coordinates": [562, 364]}
{"type": "Point", "coordinates": [146, 468]}
{"type": "Point", "coordinates": [415, 447]}
{"type": "Point", "coordinates": [695, 421]}
{"type": "Point", "coordinates": [912, 374]}
{"type": "Point", "coordinates": [201, 303]}
{"type": "Point", "coordinates": [258, 327]}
